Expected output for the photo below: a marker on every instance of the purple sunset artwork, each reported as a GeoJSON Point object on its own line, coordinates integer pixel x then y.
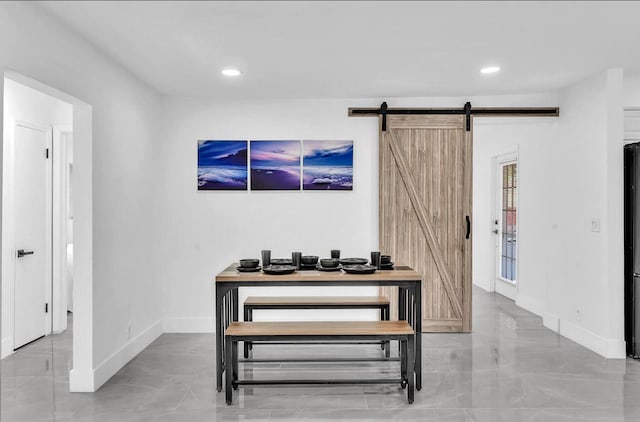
{"type": "Point", "coordinates": [328, 165]}
{"type": "Point", "coordinates": [222, 165]}
{"type": "Point", "coordinates": [275, 165]}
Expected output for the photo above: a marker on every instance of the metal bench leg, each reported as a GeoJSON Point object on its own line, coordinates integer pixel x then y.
{"type": "Point", "coordinates": [234, 363]}
{"type": "Point", "coordinates": [382, 318]}
{"type": "Point", "coordinates": [410, 369]}
{"type": "Point", "coordinates": [402, 307]}
{"type": "Point", "coordinates": [403, 360]}
{"type": "Point", "coordinates": [228, 388]}
{"type": "Point", "coordinates": [246, 343]}
{"type": "Point", "coordinates": [387, 316]}
{"type": "Point", "coordinates": [250, 319]}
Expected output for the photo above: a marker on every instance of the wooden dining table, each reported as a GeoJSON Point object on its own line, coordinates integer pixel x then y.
{"type": "Point", "coordinates": [407, 280]}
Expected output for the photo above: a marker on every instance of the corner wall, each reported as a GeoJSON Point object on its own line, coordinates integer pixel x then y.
{"type": "Point", "coordinates": [585, 284]}
{"type": "Point", "coordinates": [570, 174]}
{"type": "Point", "coordinates": [118, 311]}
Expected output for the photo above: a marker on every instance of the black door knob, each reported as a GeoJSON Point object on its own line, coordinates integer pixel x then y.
{"type": "Point", "coordinates": [22, 252]}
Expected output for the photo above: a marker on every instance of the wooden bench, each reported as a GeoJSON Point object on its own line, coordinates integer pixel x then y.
{"type": "Point", "coordinates": [316, 302]}
{"type": "Point", "coordinates": [320, 331]}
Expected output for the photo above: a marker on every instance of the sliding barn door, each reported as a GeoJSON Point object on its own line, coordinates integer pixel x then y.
{"type": "Point", "coordinates": [425, 212]}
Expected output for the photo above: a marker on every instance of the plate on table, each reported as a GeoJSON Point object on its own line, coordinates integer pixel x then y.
{"type": "Point", "coordinates": [281, 261]}
{"type": "Point", "coordinates": [248, 270]}
{"type": "Point", "coordinates": [305, 267]}
{"type": "Point", "coordinates": [279, 269]}
{"type": "Point", "coordinates": [354, 261]}
{"type": "Point", "coordinates": [321, 268]}
{"type": "Point", "coordinates": [359, 269]}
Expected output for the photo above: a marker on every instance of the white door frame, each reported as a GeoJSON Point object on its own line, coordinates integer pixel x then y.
{"type": "Point", "coordinates": [9, 221]}
{"type": "Point", "coordinates": [59, 280]}
{"type": "Point", "coordinates": [505, 287]}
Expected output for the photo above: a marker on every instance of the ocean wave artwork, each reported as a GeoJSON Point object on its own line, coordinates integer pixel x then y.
{"type": "Point", "coordinates": [222, 165]}
{"type": "Point", "coordinates": [275, 165]}
{"type": "Point", "coordinates": [327, 165]}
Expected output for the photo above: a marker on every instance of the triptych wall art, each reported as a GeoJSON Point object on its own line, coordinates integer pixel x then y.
{"type": "Point", "coordinates": [275, 165]}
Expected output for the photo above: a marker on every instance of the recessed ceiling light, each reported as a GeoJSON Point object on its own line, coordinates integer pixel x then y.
{"type": "Point", "coordinates": [230, 72]}
{"type": "Point", "coordinates": [490, 69]}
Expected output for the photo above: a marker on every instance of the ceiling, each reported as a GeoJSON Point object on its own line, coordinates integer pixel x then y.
{"type": "Point", "coordinates": [328, 49]}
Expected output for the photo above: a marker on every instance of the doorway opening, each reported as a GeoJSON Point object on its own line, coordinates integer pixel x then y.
{"type": "Point", "coordinates": [37, 240]}
{"type": "Point", "coordinates": [76, 361]}
{"type": "Point", "coordinates": [506, 225]}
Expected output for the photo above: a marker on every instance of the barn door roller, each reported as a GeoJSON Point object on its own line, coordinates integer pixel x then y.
{"type": "Point", "coordinates": [467, 111]}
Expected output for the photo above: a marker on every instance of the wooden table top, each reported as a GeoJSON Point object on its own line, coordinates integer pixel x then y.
{"type": "Point", "coordinates": [316, 300]}
{"type": "Point", "coordinates": [319, 328]}
{"type": "Point", "coordinates": [400, 273]}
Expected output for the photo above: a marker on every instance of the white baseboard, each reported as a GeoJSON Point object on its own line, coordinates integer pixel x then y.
{"type": "Point", "coordinates": [608, 348]}
{"type": "Point", "coordinates": [6, 347]}
{"type": "Point", "coordinates": [90, 381]}
{"type": "Point", "coordinates": [552, 322]}
{"type": "Point", "coordinates": [531, 305]}
{"type": "Point", "coordinates": [484, 286]}
{"type": "Point", "coordinates": [81, 381]}
{"type": "Point", "coordinates": [188, 325]}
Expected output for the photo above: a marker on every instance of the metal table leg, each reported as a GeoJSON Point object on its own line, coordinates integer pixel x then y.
{"type": "Point", "coordinates": [410, 369]}
{"type": "Point", "coordinates": [219, 336]}
{"type": "Point", "coordinates": [246, 343]}
{"type": "Point", "coordinates": [228, 388]}
{"type": "Point", "coordinates": [234, 304]}
{"type": "Point", "coordinates": [418, 331]}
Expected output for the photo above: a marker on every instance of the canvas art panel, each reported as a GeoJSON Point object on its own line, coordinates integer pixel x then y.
{"type": "Point", "coordinates": [222, 165]}
{"type": "Point", "coordinates": [328, 165]}
{"type": "Point", "coordinates": [275, 165]}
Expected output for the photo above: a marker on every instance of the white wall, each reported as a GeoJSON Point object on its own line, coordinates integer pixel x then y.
{"type": "Point", "coordinates": [116, 135]}
{"type": "Point", "coordinates": [632, 104]}
{"type": "Point", "coordinates": [570, 173]}
{"type": "Point", "coordinates": [22, 103]}
{"type": "Point", "coordinates": [585, 283]}
{"type": "Point", "coordinates": [533, 140]}
{"type": "Point", "coordinates": [632, 89]}
{"type": "Point", "coordinates": [205, 231]}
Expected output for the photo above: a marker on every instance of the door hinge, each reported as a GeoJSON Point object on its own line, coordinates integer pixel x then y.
{"type": "Point", "coordinates": [46, 153]}
{"type": "Point", "coordinates": [46, 308]}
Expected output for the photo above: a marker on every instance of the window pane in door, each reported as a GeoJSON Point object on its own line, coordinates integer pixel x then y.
{"type": "Point", "coordinates": [508, 235]}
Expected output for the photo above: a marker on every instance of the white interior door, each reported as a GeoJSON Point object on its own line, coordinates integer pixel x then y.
{"type": "Point", "coordinates": [32, 231]}
{"type": "Point", "coordinates": [506, 226]}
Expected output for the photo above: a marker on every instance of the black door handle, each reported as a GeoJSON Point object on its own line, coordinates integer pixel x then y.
{"type": "Point", "coordinates": [22, 252]}
{"type": "Point", "coordinates": [468, 227]}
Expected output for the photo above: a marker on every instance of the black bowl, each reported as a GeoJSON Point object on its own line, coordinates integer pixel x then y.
{"type": "Point", "coordinates": [354, 261]}
{"type": "Point", "coordinates": [330, 262]}
{"type": "Point", "coordinates": [281, 261]}
{"type": "Point", "coordinates": [249, 263]}
{"type": "Point", "coordinates": [385, 259]}
{"type": "Point", "coordinates": [309, 260]}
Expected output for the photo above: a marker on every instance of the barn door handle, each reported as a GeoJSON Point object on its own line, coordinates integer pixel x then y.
{"type": "Point", "coordinates": [22, 252]}
{"type": "Point", "coordinates": [468, 226]}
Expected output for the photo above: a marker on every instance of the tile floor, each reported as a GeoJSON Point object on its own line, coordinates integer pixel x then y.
{"type": "Point", "coordinates": [510, 369]}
